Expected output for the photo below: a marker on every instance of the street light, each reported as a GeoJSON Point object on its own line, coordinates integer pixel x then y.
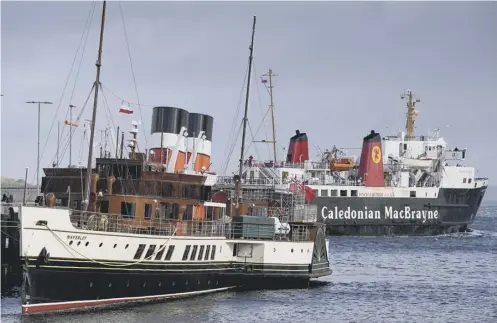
{"type": "Point", "coordinates": [38, 160]}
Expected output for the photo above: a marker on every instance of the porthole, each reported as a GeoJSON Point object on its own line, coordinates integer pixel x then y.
{"type": "Point", "coordinates": [115, 245]}
{"type": "Point", "coordinates": [70, 242]}
{"type": "Point", "coordinates": [174, 283]}
{"type": "Point", "coordinates": [91, 284]}
{"type": "Point", "coordinates": [208, 282]}
{"type": "Point", "coordinates": [110, 284]}
{"type": "Point", "coordinates": [302, 250]}
{"type": "Point", "coordinates": [126, 246]}
{"type": "Point", "coordinates": [198, 282]}
{"type": "Point", "coordinates": [186, 282]}
{"type": "Point", "coordinates": [292, 250]}
{"type": "Point", "coordinates": [217, 283]}
{"type": "Point", "coordinates": [79, 242]}
{"type": "Point", "coordinates": [159, 284]}
{"type": "Point", "coordinates": [100, 245]}
{"type": "Point", "coordinates": [274, 249]}
{"type": "Point", "coordinates": [127, 283]}
{"type": "Point", "coordinates": [144, 284]}
{"type": "Point", "coordinates": [87, 243]}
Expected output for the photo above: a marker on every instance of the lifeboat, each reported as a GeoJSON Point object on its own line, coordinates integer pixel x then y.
{"type": "Point", "coordinates": [342, 164]}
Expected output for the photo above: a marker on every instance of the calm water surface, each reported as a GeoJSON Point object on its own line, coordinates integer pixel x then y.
{"type": "Point", "coordinates": [450, 278]}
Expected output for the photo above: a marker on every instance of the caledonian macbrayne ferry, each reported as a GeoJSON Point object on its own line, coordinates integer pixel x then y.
{"type": "Point", "coordinates": [400, 185]}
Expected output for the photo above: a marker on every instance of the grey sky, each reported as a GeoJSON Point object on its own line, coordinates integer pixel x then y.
{"type": "Point", "coordinates": [341, 69]}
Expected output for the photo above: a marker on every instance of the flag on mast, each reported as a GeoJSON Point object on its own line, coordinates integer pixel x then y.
{"type": "Point", "coordinates": [126, 109]}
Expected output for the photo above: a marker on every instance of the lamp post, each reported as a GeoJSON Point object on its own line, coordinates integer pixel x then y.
{"type": "Point", "coordinates": [38, 159]}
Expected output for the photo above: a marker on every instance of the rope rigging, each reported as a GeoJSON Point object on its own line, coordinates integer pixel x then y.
{"type": "Point", "coordinates": [86, 29]}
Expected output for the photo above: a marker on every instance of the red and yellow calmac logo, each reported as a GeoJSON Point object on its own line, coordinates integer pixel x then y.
{"type": "Point", "coordinates": [376, 154]}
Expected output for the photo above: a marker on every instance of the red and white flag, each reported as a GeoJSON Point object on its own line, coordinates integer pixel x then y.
{"type": "Point", "coordinates": [126, 109]}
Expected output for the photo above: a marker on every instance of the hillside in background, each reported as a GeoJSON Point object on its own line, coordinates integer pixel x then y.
{"type": "Point", "coordinates": [12, 182]}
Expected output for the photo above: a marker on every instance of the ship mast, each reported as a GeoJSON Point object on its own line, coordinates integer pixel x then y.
{"type": "Point", "coordinates": [411, 114]}
{"type": "Point", "coordinates": [271, 106]}
{"type": "Point", "coordinates": [94, 116]}
{"type": "Point", "coordinates": [238, 185]}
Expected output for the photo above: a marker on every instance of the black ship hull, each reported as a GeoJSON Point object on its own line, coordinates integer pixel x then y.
{"type": "Point", "coordinates": [454, 210]}
{"type": "Point", "coordinates": [58, 285]}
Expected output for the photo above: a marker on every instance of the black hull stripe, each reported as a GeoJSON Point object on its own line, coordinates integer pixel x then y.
{"type": "Point", "coordinates": [156, 263]}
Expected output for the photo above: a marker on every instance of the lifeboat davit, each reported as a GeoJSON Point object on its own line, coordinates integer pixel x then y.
{"type": "Point", "coordinates": [342, 164]}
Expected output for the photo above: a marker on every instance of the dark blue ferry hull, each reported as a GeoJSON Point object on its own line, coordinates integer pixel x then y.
{"type": "Point", "coordinates": [454, 210]}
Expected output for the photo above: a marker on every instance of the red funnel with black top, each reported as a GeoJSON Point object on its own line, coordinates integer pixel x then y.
{"type": "Point", "coordinates": [371, 165]}
{"type": "Point", "coordinates": [298, 149]}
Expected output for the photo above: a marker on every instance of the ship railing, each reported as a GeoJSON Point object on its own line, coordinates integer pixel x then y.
{"type": "Point", "coordinates": [107, 222]}
{"type": "Point", "coordinates": [248, 230]}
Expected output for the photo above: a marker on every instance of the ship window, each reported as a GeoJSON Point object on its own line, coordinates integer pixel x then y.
{"type": "Point", "coordinates": [194, 252]}
{"type": "Point", "coordinates": [324, 192]}
{"type": "Point", "coordinates": [150, 251]}
{"type": "Point", "coordinates": [128, 209]}
{"type": "Point", "coordinates": [405, 146]}
{"type": "Point", "coordinates": [353, 193]}
{"type": "Point", "coordinates": [464, 180]}
{"type": "Point", "coordinates": [469, 180]}
{"type": "Point", "coordinates": [187, 251]}
{"type": "Point", "coordinates": [200, 253]}
{"type": "Point", "coordinates": [104, 207]}
{"type": "Point", "coordinates": [235, 248]}
{"type": "Point", "coordinates": [412, 193]}
{"type": "Point", "coordinates": [333, 193]}
{"type": "Point", "coordinates": [188, 213]}
{"type": "Point", "coordinates": [170, 253]}
{"type": "Point", "coordinates": [343, 192]}
{"type": "Point", "coordinates": [148, 211]}
{"type": "Point", "coordinates": [207, 250]}
{"type": "Point", "coordinates": [213, 254]}
{"type": "Point", "coordinates": [158, 256]}
{"type": "Point", "coordinates": [139, 251]}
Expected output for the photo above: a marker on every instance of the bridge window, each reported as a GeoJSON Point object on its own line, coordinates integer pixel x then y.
{"type": "Point", "coordinates": [343, 192]}
{"type": "Point", "coordinates": [150, 251]}
{"type": "Point", "coordinates": [469, 180]}
{"type": "Point", "coordinates": [139, 251]}
{"type": "Point", "coordinates": [194, 252]}
{"type": "Point", "coordinates": [200, 253]}
{"type": "Point", "coordinates": [148, 211]}
{"type": "Point", "coordinates": [213, 254]}
{"type": "Point", "coordinates": [333, 193]}
{"type": "Point", "coordinates": [464, 180]}
{"type": "Point", "coordinates": [128, 209]}
{"type": "Point", "coordinates": [324, 192]}
{"type": "Point", "coordinates": [187, 251]}
{"type": "Point", "coordinates": [170, 253]}
{"type": "Point", "coordinates": [207, 251]}
{"type": "Point", "coordinates": [158, 256]}
{"type": "Point", "coordinates": [353, 193]}
{"type": "Point", "coordinates": [412, 193]}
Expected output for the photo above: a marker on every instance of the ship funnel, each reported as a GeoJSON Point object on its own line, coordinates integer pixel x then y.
{"type": "Point", "coordinates": [371, 164]}
{"type": "Point", "coordinates": [298, 149]}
